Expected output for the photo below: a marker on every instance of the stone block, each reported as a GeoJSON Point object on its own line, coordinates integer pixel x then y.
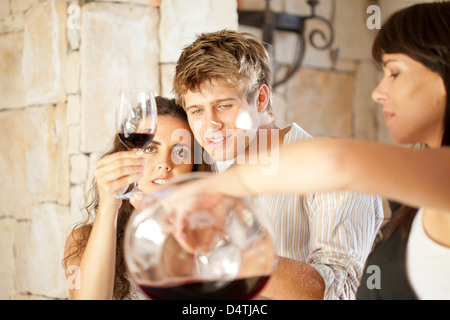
{"type": "Point", "coordinates": [142, 2]}
{"type": "Point", "coordinates": [7, 258]}
{"type": "Point", "coordinates": [13, 23]}
{"type": "Point", "coordinates": [74, 139]}
{"type": "Point", "coordinates": [119, 50]}
{"type": "Point", "coordinates": [22, 5]}
{"type": "Point", "coordinates": [182, 21]}
{"type": "Point", "coordinates": [73, 110]}
{"type": "Point", "coordinates": [48, 167]}
{"type": "Point", "coordinates": [12, 89]}
{"type": "Point", "coordinates": [5, 9]}
{"type": "Point", "coordinates": [72, 73]}
{"type": "Point", "coordinates": [352, 35]}
{"type": "Point", "coordinates": [39, 251]}
{"type": "Point", "coordinates": [44, 51]}
{"type": "Point", "coordinates": [74, 38]}
{"type": "Point", "coordinates": [79, 168]}
{"type": "Point", "coordinates": [388, 7]}
{"type": "Point", "coordinates": [14, 193]}
{"type": "Point", "coordinates": [36, 166]}
{"type": "Point", "coordinates": [321, 102]}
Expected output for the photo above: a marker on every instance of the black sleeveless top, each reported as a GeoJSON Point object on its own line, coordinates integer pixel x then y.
{"type": "Point", "coordinates": [388, 259]}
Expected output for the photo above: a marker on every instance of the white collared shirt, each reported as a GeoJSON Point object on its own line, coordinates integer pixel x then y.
{"type": "Point", "coordinates": [333, 232]}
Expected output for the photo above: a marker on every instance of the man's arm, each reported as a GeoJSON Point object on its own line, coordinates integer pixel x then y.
{"type": "Point", "coordinates": [294, 280]}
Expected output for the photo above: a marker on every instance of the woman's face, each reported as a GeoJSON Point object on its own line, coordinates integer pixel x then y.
{"type": "Point", "coordinates": [170, 154]}
{"type": "Point", "coordinates": [413, 99]}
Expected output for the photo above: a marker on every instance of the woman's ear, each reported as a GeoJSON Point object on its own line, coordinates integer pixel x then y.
{"type": "Point", "coordinates": [263, 98]}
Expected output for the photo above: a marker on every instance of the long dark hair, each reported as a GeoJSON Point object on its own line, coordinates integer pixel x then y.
{"type": "Point", "coordinates": [421, 32]}
{"type": "Point", "coordinates": [121, 283]}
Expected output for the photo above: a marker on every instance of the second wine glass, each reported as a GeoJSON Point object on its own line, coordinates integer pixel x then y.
{"type": "Point", "coordinates": [136, 123]}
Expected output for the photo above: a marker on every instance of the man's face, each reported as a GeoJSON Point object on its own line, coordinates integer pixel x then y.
{"type": "Point", "coordinates": [223, 121]}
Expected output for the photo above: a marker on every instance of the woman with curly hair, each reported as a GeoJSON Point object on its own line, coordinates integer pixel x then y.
{"type": "Point", "coordinates": [95, 246]}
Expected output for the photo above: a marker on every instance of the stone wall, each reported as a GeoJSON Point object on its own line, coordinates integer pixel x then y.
{"type": "Point", "coordinates": [326, 96]}
{"type": "Point", "coordinates": [59, 78]}
{"type": "Point", "coordinates": [61, 64]}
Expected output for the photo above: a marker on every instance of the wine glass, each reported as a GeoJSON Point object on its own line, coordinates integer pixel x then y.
{"type": "Point", "coordinates": [136, 123]}
{"type": "Point", "coordinates": [232, 260]}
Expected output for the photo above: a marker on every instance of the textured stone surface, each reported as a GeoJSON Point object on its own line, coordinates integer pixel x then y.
{"type": "Point", "coordinates": [72, 73]}
{"type": "Point", "coordinates": [32, 61]}
{"type": "Point", "coordinates": [36, 166]}
{"type": "Point", "coordinates": [388, 7]}
{"type": "Point", "coordinates": [183, 20]}
{"type": "Point", "coordinates": [45, 46]}
{"type": "Point", "coordinates": [12, 23]}
{"type": "Point", "coordinates": [321, 102]}
{"type": "Point", "coordinates": [39, 251]}
{"type": "Point", "coordinates": [119, 50]}
{"type": "Point", "coordinates": [12, 89]}
{"type": "Point", "coordinates": [5, 9]}
{"type": "Point", "coordinates": [79, 166]}
{"type": "Point", "coordinates": [8, 263]}
{"type": "Point", "coordinates": [143, 2]}
{"type": "Point", "coordinates": [21, 5]}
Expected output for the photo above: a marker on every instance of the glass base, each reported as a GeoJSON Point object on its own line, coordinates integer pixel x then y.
{"type": "Point", "coordinates": [130, 194]}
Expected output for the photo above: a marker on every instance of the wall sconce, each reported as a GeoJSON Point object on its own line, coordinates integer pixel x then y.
{"type": "Point", "coordinates": [270, 21]}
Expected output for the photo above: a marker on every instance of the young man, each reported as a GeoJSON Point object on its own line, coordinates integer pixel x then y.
{"type": "Point", "coordinates": [223, 80]}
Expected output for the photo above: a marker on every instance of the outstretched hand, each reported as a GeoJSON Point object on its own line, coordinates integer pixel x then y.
{"type": "Point", "coordinates": [195, 211]}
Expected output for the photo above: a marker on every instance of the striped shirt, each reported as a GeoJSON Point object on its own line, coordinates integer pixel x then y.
{"type": "Point", "coordinates": [333, 232]}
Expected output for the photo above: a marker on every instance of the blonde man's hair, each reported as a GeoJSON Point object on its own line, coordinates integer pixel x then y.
{"type": "Point", "coordinates": [239, 60]}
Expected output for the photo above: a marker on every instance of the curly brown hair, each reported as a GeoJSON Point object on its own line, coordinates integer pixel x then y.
{"type": "Point", "coordinates": [121, 283]}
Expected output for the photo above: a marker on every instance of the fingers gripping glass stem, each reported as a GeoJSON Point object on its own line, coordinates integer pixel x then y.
{"type": "Point", "coordinates": [136, 124]}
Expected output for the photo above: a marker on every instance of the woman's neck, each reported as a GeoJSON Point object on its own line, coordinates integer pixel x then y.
{"type": "Point", "coordinates": [437, 226]}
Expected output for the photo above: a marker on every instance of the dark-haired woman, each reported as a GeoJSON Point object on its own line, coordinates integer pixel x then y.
{"type": "Point", "coordinates": [413, 259]}
{"type": "Point", "coordinates": [94, 249]}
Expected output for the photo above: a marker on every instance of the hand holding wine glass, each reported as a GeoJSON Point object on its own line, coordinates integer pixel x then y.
{"type": "Point", "coordinates": [136, 123]}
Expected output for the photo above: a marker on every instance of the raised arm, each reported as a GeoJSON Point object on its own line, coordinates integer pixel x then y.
{"type": "Point", "coordinates": [410, 176]}
{"type": "Point", "coordinates": [97, 260]}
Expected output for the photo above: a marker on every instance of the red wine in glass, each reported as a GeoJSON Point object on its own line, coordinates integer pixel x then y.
{"type": "Point", "coordinates": [239, 289]}
{"type": "Point", "coordinates": [136, 140]}
{"type": "Point", "coordinates": [136, 123]}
